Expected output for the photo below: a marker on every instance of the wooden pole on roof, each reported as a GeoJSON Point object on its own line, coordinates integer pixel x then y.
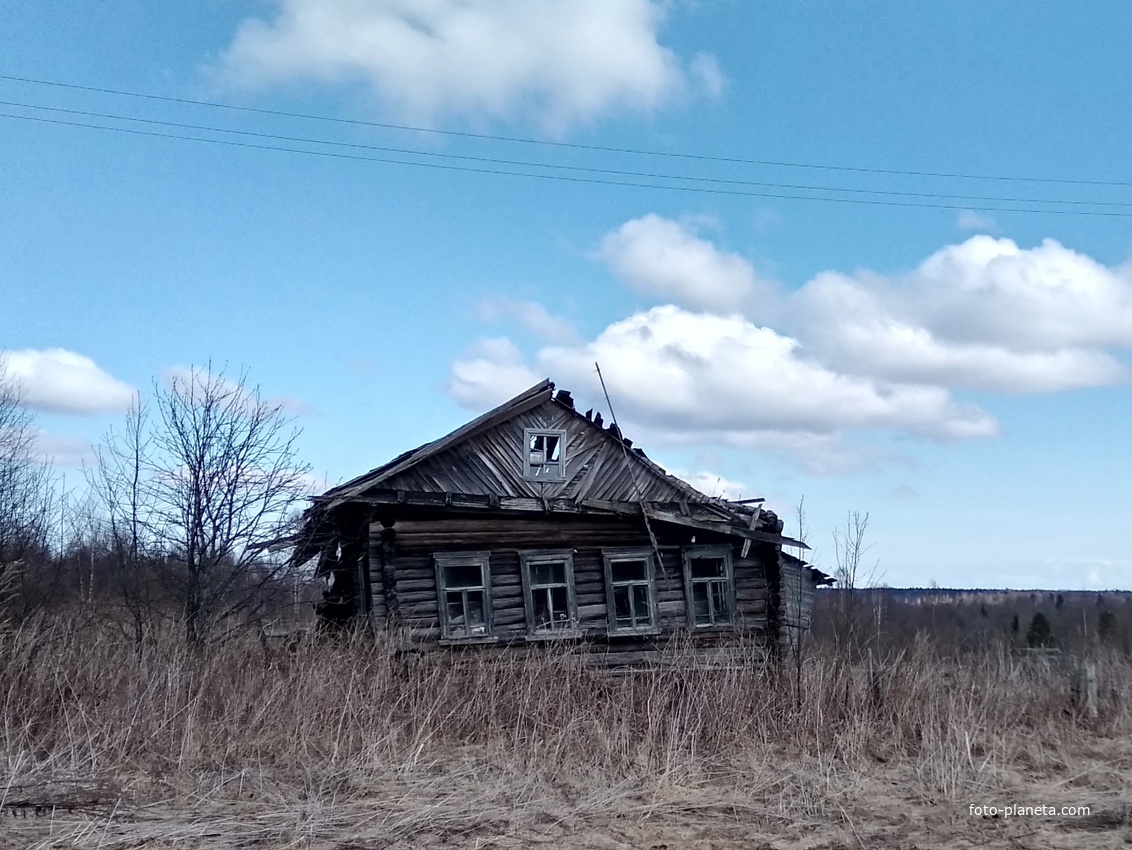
{"type": "Point", "coordinates": [632, 475]}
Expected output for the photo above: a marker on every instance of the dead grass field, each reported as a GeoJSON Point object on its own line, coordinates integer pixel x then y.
{"type": "Point", "coordinates": [105, 745]}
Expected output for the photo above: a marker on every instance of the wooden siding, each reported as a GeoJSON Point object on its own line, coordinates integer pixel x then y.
{"type": "Point", "coordinates": [493, 462]}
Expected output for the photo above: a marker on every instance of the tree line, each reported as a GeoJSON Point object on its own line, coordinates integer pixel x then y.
{"type": "Point", "coordinates": [175, 520]}
{"type": "Point", "coordinates": [972, 620]}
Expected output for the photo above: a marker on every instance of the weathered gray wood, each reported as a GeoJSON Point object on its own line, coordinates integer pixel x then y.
{"type": "Point", "coordinates": [468, 492]}
{"type": "Point", "coordinates": [1089, 688]}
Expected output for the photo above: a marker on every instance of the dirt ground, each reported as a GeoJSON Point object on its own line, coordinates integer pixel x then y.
{"type": "Point", "coordinates": [795, 807]}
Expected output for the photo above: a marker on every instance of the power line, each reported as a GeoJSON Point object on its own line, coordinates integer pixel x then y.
{"type": "Point", "coordinates": [570, 168]}
{"type": "Point", "coordinates": [554, 144]}
{"type": "Point", "coordinates": [557, 177]}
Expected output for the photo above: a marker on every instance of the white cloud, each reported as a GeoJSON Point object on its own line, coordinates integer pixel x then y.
{"type": "Point", "coordinates": [530, 315]}
{"type": "Point", "coordinates": [200, 381]}
{"type": "Point", "coordinates": [970, 221]}
{"type": "Point", "coordinates": [857, 355]}
{"type": "Point", "coordinates": [662, 258]}
{"type": "Point", "coordinates": [491, 372]}
{"type": "Point", "coordinates": [315, 483]}
{"type": "Point", "coordinates": [686, 378]}
{"type": "Point", "coordinates": [705, 70]}
{"type": "Point", "coordinates": [562, 61]}
{"type": "Point", "coordinates": [826, 454]}
{"type": "Point", "coordinates": [714, 485]}
{"type": "Point", "coordinates": [867, 329]}
{"type": "Point", "coordinates": [699, 373]}
{"type": "Point", "coordinates": [63, 451]}
{"type": "Point", "coordinates": [1039, 299]}
{"type": "Point", "coordinates": [55, 380]}
{"type": "Point", "coordinates": [984, 314]}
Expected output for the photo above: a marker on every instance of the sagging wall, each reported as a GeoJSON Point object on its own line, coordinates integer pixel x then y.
{"type": "Point", "coordinates": [792, 594]}
{"type": "Point", "coordinates": [403, 572]}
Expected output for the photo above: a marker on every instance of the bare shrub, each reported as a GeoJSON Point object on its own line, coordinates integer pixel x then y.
{"type": "Point", "coordinates": [26, 498]}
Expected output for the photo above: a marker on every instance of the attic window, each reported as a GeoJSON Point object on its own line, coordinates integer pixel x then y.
{"type": "Point", "coordinates": [546, 455]}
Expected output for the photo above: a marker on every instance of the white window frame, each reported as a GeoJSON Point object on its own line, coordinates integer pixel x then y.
{"type": "Point", "coordinates": [533, 558]}
{"type": "Point", "coordinates": [529, 466]}
{"type": "Point", "coordinates": [723, 552]}
{"type": "Point", "coordinates": [463, 559]}
{"type": "Point", "coordinates": [613, 556]}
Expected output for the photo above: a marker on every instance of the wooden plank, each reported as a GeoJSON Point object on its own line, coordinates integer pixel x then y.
{"type": "Point", "coordinates": [411, 585]}
{"type": "Point", "coordinates": [724, 528]}
{"type": "Point", "coordinates": [592, 613]}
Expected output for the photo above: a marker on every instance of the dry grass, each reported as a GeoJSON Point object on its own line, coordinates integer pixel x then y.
{"type": "Point", "coordinates": [105, 744]}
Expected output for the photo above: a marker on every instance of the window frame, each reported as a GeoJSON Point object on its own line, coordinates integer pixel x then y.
{"type": "Point", "coordinates": [529, 469]}
{"type": "Point", "coordinates": [482, 560]}
{"type": "Point", "coordinates": [691, 553]}
{"type": "Point", "coordinates": [614, 555]}
{"type": "Point", "coordinates": [532, 557]}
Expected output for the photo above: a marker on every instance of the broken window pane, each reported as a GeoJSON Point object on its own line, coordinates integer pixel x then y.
{"type": "Point", "coordinates": [623, 607]}
{"type": "Point", "coordinates": [710, 585]}
{"type": "Point", "coordinates": [701, 607]}
{"type": "Point", "coordinates": [629, 571]}
{"type": "Point", "coordinates": [545, 454]}
{"type": "Point", "coordinates": [708, 568]}
{"type": "Point", "coordinates": [560, 605]}
{"type": "Point", "coordinates": [548, 572]}
{"type": "Point", "coordinates": [456, 614]}
{"type": "Point", "coordinates": [464, 597]}
{"type": "Point", "coordinates": [465, 610]}
{"type": "Point", "coordinates": [548, 587]}
{"type": "Point", "coordinates": [641, 604]}
{"type": "Point", "coordinates": [542, 610]}
{"type": "Point", "coordinates": [475, 617]}
{"type": "Point", "coordinates": [546, 470]}
{"type": "Point", "coordinates": [719, 602]}
{"type": "Point", "coordinates": [465, 575]}
{"type": "Point", "coordinates": [551, 608]}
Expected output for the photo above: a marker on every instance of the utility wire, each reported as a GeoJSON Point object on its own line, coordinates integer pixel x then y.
{"type": "Point", "coordinates": [554, 144]}
{"type": "Point", "coordinates": [571, 168]}
{"type": "Point", "coordinates": [563, 177]}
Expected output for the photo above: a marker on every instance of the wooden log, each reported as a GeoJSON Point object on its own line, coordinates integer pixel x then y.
{"type": "Point", "coordinates": [413, 600]}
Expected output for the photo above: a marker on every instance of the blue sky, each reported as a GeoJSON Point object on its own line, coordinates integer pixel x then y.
{"type": "Point", "coordinates": [958, 371]}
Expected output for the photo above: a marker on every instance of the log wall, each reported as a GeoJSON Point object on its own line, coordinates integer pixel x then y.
{"type": "Point", "coordinates": [403, 578]}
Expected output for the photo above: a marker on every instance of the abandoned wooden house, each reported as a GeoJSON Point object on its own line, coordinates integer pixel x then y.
{"type": "Point", "coordinates": [535, 522]}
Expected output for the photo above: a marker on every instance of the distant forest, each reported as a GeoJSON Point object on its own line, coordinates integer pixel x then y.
{"type": "Point", "coordinates": [891, 618]}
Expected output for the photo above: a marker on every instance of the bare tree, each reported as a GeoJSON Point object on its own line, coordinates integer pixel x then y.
{"type": "Point", "coordinates": [122, 525]}
{"type": "Point", "coordinates": [852, 574]}
{"type": "Point", "coordinates": [25, 491]}
{"type": "Point", "coordinates": [196, 490]}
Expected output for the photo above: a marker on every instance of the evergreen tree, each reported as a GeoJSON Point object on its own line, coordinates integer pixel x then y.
{"type": "Point", "coordinates": [1106, 625]}
{"type": "Point", "coordinates": [1039, 633]}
